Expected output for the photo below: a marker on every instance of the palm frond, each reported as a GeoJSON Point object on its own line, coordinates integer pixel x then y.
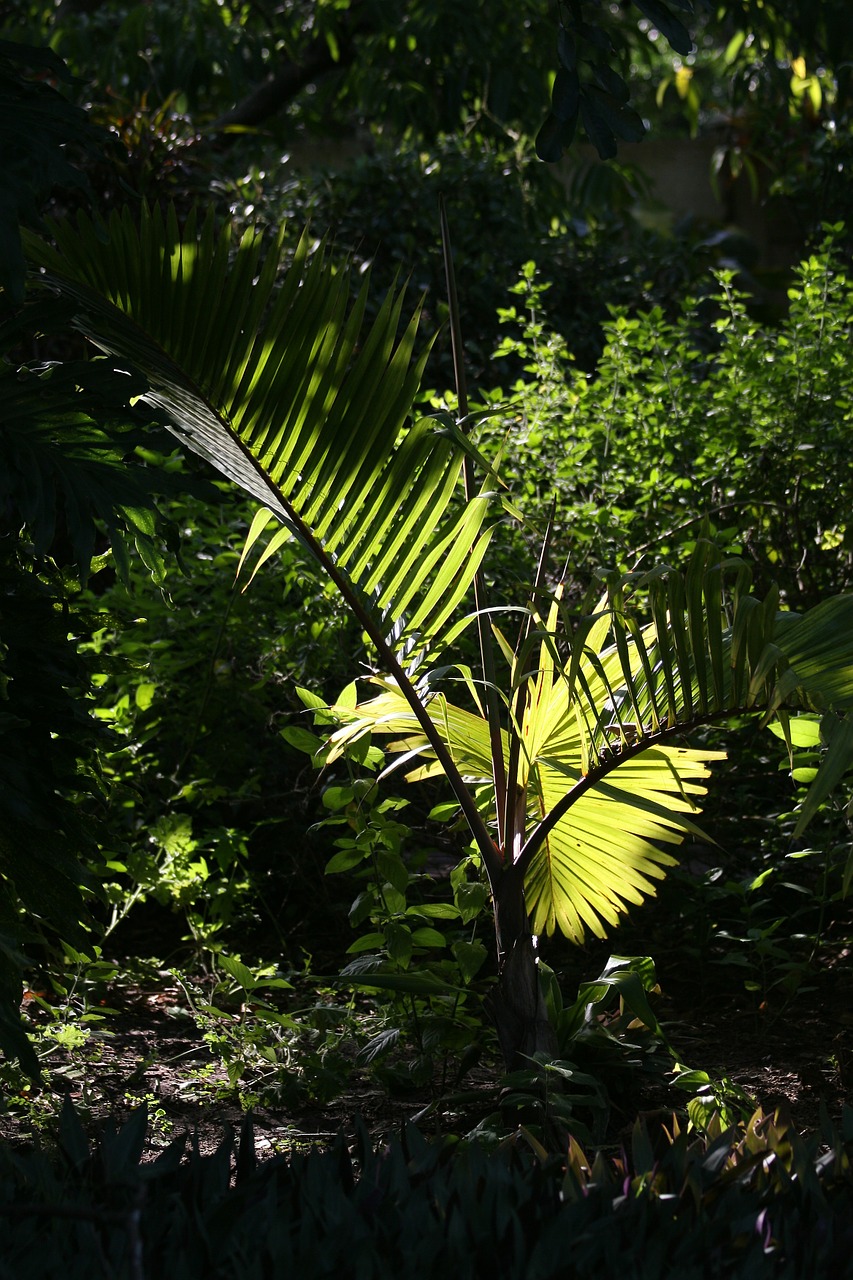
{"type": "Point", "coordinates": [276, 380]}
{"type": "Point", "coordinates": [600, 857]}
{"type": "Point", "coordinates": [606, 784]}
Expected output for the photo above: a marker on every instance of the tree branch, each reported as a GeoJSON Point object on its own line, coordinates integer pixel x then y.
{"type": "Point", "coordinates": [270, 97]}
{"type": "Point", "coordinates": [294, 75]}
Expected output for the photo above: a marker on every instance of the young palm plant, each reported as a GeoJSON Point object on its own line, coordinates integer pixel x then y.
{"type": "Point", "coordinates": [274, 377]}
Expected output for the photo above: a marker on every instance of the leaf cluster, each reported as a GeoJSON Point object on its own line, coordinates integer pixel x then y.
{"type": "Point", "coordinates": [755, 1203]}
{"type": "Point", "coordinates": [40, 131]}
{"type": "Point", "coordinates": [710, 414]}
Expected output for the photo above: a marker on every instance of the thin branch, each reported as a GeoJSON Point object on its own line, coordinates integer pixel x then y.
{"type": "Point", "coordinates": [487, 652]}
{"type": "Point", "coordinates": [294, 75]}
{"type": "Point", "coordinates": [511, 821]}
{"type": "Point", "coordinates": [270, 97]}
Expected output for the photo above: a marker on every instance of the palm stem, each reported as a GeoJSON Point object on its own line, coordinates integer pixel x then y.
{"type": "Point", "coordinates": [487, 653]}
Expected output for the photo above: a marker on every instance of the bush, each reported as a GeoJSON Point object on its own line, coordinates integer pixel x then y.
{"type": "Point", "coordinates": [707, 414]}
{"type": "Point", "coordinates": [503, 207]}
{"type": "Point", "coordinates": [759, 1203]}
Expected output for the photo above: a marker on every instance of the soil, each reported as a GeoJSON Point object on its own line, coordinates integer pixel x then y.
{"type": "Point", "coordinates": [794, 1053]}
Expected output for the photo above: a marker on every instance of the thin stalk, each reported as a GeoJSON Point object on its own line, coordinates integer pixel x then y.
{"type": "Point", "coordinates": [487, 653]}
{"type": "Point", "coordinates": [515, 809]}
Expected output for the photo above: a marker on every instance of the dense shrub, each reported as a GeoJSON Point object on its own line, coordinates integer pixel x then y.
{"type": "Point", "coordinates": [504, 207]}
{"type": "Point", "coordinates": [705, 414]}
{"type": "Point", "coordinates": [757, 1204]}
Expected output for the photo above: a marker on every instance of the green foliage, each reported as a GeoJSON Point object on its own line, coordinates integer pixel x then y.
{"type": "Point", "coordinates": [40, 131]}
{"type": "Point", "coordinates": [417, 952]}
{"type": "Point", "coordinates": [74, 479]}
{"type": "Point", "coordinates": [77, 497]}
{"type": "Point", "coordinates": [146, 51]}
{"type": "Point", "coordinates": [608, 1040]}
{"type": "Point", "coordinates": [755, 1202]}
{"type": "Point", "coordinates": [205, 795]}
{"type": "Point", "coordinates": [423, 69]}
{"type": "Point", "coordinates": [585, 782]}
{"type": "Point", "coordinates": [504, 208]}
{"type": "Point", "coordinates": [595, 781]}
{"type": "Point", "coordinates": [324, 387]}
{"type": "Point", "coordinates": [709, 414]}
{"type": "Point", "coordinates": [591, 84]}
{"type": "Point", "coordinates": [49, 767]}
{"type": "Point", "coordinates": [197, 790]}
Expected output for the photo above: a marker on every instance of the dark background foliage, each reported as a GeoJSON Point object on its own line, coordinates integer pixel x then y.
{"type": "Point", "coordinates": [150, 805]}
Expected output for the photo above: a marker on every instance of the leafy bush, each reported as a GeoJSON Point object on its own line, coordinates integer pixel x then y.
{"type": "Point", "coordinates": [392, 514]}
{"type": "Point", "coordinates": [708, 414]}
{"type": "Point", "coordinates": [504, 207]}
{"type": "Point", "coordinates": [206, 797]}
{"type": "Point", "coordinates": [755, 1203]}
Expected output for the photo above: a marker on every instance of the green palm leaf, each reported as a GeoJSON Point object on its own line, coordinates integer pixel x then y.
{"type": "Point", "coordinates": [601, 856]}
{"type": "Point", "coordinates": [274, 378]}
{"type": "Point", "coordinates": [605, 785]}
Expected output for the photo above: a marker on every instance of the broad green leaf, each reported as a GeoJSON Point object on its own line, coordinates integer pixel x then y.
{"type": "Point", "coordinates": [241, 973]}
{"type": "Point", "coordinates": [803, 731]}
{"type": "Point", "coordinates": [416, 984]}
{"type": "Point", "coordinates": [302, 739]}
{"type": "Point", "coordinates": [470, 956]}
{"type": "Point", "coordinates": [838, 761]}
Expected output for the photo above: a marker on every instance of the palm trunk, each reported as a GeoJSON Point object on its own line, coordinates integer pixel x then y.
{"type": "Point", "coordinates": [517, 1005]}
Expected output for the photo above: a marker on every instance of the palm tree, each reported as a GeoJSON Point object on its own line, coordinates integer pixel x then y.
{"type": "Point", "coordinates": [274, 377]}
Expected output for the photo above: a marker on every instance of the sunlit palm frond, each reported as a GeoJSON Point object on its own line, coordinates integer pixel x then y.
{"type": "Point", "coordinates": [606, 782]}
{"type": "Point", "coordinates": [274, 378]}
{"type": "Point", "coordinates": [600, 857]}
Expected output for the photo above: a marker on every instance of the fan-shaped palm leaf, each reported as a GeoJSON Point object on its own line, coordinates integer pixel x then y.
{"type": "Point", "coordinates": [601, 855]}
{"type": "Point", "coordinates": [603, 783]}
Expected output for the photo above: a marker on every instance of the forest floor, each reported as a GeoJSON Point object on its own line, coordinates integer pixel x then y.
{"type": "Point", "coordinates": [793, 1052]}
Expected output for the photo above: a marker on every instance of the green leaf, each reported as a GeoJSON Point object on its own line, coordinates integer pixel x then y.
{"type": "Point", "coordinates": [435, 911]}
{"type": "Point", "coordinates": [399, 942]}
{"type": "Point", "coordinates": [346, 859]}
{"type": "Point", "coordinates": [336, 798]}
{"type": "Point", "coordinates": [393, 869]}
{"type": "Point", "coordinates": [470, 956]}
{"type": "Point", "coordinates": [690, 1081]}
{"type": "Point", "coordinates": [802, 731]}
{"type": "Point", "coordinates": [565, 96]}
{"type": "Point", "coordinates": [241, 973]}
{"type": "Point", "coordinates": [597, 129]}
{"type": "Point", "coordinates": [144, 695]}
{"type": "Point", "coordinates": [621, 120]}
{"type": "Point", "coordinates": [675, 32]}
{"type": "Point", "coordinates": [447, 811]}
{"type": "Point", "coordinates": [427, 937]}
{"type": "Point", "coordinates": [367, 942]}
{"type": "Point", "coordinates": [553, 138]}
{"type": "Point", "coordinates": [838, 762]}
{"type": "Point", "coordinates": [416, 984]}
{"type": "Point", "coordinates": [302, 739]}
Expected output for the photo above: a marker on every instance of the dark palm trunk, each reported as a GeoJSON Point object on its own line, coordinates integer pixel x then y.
{"type": "Point", "coordinates": [517, 1005]}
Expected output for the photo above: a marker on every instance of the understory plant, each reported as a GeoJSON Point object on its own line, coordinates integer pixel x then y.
{"type": "Point", "coordinates": [565, 747]}
{"type": "Point", "coordinates": [705, 413]}
{"type": "Point", "coordinates": [755, 1202]}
